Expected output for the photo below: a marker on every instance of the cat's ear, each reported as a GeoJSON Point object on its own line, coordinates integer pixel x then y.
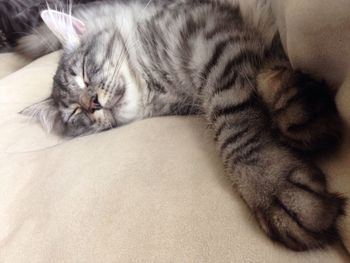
{"type": "Point", "coordinates": [66, 28]}
{"type": "Point", "coordinates": [45, 112]}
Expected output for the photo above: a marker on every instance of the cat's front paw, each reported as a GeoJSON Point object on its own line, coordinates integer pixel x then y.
{"type": "Point", "coordinates": [302, 109]}
{"type": "Point", "coordinates": [302, 214]}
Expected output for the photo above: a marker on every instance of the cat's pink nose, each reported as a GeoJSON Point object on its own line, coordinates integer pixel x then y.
{"type": "Point", "coordinates": [95, 104]}
{"type": "Point", "coordinates": [90, 104]}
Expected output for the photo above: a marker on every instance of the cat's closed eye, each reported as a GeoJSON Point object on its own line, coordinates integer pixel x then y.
{"type": "Point", "coordinates": [72, 72]}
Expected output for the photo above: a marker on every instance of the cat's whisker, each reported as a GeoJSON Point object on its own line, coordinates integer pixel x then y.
{"type": "Point", "coordinates": [148, 3]}
{"type": "Point", "coordinates": [44, 40]}
{"type": "Point", "coordinates": [119, 60]}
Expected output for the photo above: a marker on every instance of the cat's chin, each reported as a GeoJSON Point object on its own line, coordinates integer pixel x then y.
{"type": "Point", "coordinates": [122, 117]}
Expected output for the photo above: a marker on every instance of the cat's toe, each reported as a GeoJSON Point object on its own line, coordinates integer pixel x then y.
{"type": "Point", "coordinates": [303, 215]}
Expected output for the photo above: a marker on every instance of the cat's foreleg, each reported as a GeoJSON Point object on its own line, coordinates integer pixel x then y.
{"type": "Point", "coordinates": [287, 195]}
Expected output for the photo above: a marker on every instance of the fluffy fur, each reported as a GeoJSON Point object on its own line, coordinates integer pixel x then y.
{"type": "Point", "coordinates": [192, 57]}
{"type": "Point", "coordinates": [19, 17]}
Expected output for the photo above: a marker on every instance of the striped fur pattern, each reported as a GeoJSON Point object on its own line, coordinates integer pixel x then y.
{"type": "Point", "coordinates": [193, 57]}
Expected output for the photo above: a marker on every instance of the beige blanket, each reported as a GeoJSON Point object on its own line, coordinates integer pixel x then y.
{"type": "Point", "coordinates": [152, 191]}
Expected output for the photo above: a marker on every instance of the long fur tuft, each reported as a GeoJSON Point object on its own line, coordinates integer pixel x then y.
{"type": "Point", "coordinates": [20, 17]}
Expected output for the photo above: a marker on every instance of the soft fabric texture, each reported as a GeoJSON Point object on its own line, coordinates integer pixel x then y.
{"type": "Point", "coordinates": [11, 62]}
{"type": "Point", "coordinates": [151, 191]}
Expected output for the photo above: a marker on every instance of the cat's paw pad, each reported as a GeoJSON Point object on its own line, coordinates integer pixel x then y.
{"type": "Point", "coordinates": [302, 215]}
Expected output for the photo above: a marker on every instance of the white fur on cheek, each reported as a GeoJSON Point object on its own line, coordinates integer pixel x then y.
{"type": "Point", "coordinates": [102, 97]}
{"type": "Point", "coordinates": [81, 83]}
{"type": "Point", "coordinates": [130, 109]}
{"type": "Point", "coordinates": [99, 116]}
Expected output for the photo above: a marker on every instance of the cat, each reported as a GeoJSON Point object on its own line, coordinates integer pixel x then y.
{"type": "Point", "coordinates": [126, 62]}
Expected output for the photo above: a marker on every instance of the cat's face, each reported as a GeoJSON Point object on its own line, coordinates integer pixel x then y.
{"type": "Point", "coordinates": [94, 88]}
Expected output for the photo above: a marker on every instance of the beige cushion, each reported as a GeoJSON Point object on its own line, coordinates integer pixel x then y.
{"type": "Point", "coordinates": [152, 191]}
{"type": "Point", "coordinates": [10, 62]}
{"type": "Point", "coordinates": [316, 35]}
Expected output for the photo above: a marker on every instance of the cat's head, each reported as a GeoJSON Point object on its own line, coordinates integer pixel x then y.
{"type": "Point", "coordinates": [94, 87]}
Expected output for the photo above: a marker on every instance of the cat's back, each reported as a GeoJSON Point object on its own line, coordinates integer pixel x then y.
{"type": "Point", "coordinates": [122, 16]}
{"type": "Point", "coordinates": [166, 14]}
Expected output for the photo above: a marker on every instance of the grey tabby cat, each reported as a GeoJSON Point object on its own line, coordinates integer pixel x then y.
{"type": "Point", "coordinates": [125, 62]}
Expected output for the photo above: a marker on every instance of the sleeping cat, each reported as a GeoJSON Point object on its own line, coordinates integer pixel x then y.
{"type": "Point", "coordinates": [126, 62]}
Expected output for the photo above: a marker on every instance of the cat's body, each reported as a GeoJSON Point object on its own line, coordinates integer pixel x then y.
{"type": "Point", "coordinates": [131, 62]}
